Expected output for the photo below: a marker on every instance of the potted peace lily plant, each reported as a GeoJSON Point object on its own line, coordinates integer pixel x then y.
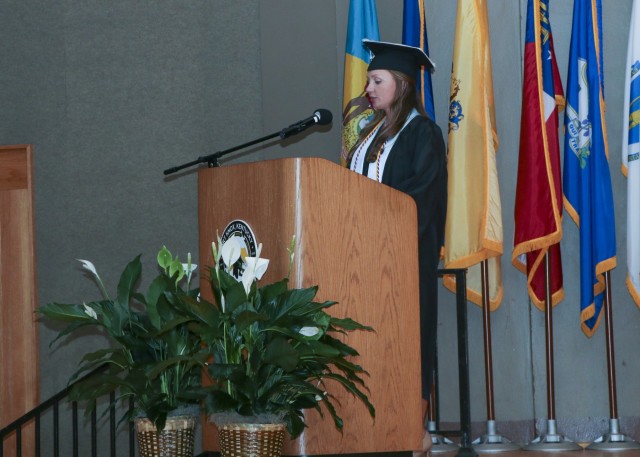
{"type": "Point", "coordinates": [272, 350]}
{"type": "Point", "coordinates": [153, 358]}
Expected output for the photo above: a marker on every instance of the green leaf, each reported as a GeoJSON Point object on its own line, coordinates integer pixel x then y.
{"type": "Point", "coordinates": [176, 268]}
{"type": "Point", "coordinates": [65, 312]}
{"type": "Point", "coordinates": [316, 348]}
{"type": "Point", "coordinates": [296, 299]}
{"type": "Point", "coordinates": [295, 424]}
{"type": "Point", "coordinates": [352, 388]}
{"type": "Point", "coordinates": [156, 289]}
{"type": "Point", "coordinates": [279, 352]}
{"type": "Point", "coordinates": [164, 258]}
{"type": "Point", "coordinates": [218, 401]}
{"type": "Point", "coordinates": [247, 318]}
{"type": "Point", "coordinates": [349, 324]}
{"type": "Point", "coordinates": [337, 420]}
{"type": "Point", "coordinates": [128, 280]}
{"type": "Point", "coordinates": [222, 371]}
{"type": "Point", "coordinates": [203, 311]}
{"type": "Point", "coordinates": [344, 348]}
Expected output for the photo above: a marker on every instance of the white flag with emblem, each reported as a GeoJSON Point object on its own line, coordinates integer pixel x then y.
{"type": "Point", "coordinates": [631, 152]}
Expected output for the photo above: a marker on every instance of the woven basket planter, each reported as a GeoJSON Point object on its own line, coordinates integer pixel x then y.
{"type": "Point", "coordinates": [176, 440]}
{"type": "Point", "coordinates": [251, 440]}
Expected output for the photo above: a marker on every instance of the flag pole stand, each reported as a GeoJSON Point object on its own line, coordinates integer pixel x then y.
{"type": "Point", "coordinates": [614, 440]}
{"type": "Point", "coordinates": [490, 441]}
{"type": "Point", "coordinates": [439, 443]}
{"type": "Point", "coordinates": [552, 440]}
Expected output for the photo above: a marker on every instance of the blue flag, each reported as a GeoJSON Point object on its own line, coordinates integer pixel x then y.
{"type": "Point", "coordinates": [363, 23]}
{"type": "Point", "coordinates": [414, 33]}
{"type": "Point", "coordinates": [586, 180]}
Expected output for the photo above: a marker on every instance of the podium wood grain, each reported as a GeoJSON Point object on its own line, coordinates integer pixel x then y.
{"type": "Point", "coordinates": [357, 240]}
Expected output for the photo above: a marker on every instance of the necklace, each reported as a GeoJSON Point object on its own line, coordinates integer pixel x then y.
{"type": "Point", "coordinates": [366, 142]}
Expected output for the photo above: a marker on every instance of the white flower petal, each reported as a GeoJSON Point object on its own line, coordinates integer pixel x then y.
{"type": "Point", "coordinates": [247, 280]}
{"type": "Point", "coordinates": [89, 311]}
{"type": "Point", "coordinates": [231, 251]}
{"type": "Point", "coordinates": [309, 331]}
{"type": "Point", "coordinates": [87, 265]}
{"type": "Point", "coordinates": [257, 265]}
{"type": "Point", "coordinates": [215, 252]}
{"type": "Point", "coordinates": [189, 268]}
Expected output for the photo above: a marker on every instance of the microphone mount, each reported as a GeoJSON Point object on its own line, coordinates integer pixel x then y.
{"type": "Point", "coordinates": [320, 117]}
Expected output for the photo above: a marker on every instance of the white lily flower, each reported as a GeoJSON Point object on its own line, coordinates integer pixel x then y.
{"type": "Point", "coordinates": [257, 265]}
{"type": "Point", "coordinates": [89, 311]}
{"type": "Point", "coordinates": [309, 331]}
{"type": "Point", "coordinates": [215, 252]}
{"type": "Point", "coordinates": [231, 251]}
{"type": "Point", "coordinates": [189, 267]}
{"type": "Point", "coordinates": [254, 270]}
{"type": "Point", "coordinates": [87, 265]}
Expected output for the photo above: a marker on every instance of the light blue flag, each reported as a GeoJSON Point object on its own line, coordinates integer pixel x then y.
{"type": "Point", "coordinates": [414, 33]}
{"type": "Point", "coordinates": [588, 196]}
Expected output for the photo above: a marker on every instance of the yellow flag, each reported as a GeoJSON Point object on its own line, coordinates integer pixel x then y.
{"type": "Point", "coordinates": [473, 230]}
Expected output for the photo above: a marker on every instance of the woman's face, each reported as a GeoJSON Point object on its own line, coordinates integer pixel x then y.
{"type": "Point", "coordinates": [381, 89]}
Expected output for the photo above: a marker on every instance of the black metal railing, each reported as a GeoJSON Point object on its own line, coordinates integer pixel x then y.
{"type": "Point", "coordinates": [43, 427]}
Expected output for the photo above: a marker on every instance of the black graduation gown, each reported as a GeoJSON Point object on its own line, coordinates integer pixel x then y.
{"type": "Point", "coordinates": [417, 165]}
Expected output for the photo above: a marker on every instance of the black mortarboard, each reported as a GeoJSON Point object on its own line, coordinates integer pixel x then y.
{"type": "Point", "coordinates": [399, 57]}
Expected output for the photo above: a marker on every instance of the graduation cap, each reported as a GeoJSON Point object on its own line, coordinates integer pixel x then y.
{"type": "Point", "coordinates": [400, 57]}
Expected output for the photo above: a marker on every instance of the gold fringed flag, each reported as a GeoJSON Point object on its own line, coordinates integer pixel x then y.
{"type": "Point", "coordinates": [588, 196]}
{"type": "Point", "coordinates": [538, 210]}
{"type": "Point", "coordinates": [473, 230]}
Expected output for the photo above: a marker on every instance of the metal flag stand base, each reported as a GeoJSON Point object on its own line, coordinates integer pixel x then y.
{"type": "Point", "coordinates": [614, 440]}
{"type": "Point", "coordinates": [492, 441]}
{"type": "Point", "coordinates": [440, 443]}
{"type": "Point", "coordinates": [551, 441]}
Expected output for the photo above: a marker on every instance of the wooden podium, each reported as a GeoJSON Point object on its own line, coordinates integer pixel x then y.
{"type": "Point", "coordinates": [356, 240]}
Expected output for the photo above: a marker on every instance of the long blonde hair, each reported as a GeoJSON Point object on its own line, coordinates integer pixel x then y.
{"type": "Point", "coordinates": [406, 99]}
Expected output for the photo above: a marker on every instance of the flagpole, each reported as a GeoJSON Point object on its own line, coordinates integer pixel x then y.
{"type": "Point", "coordinates": [551, 441]}
{"type": "Point", "coordinates": [614, 440]}
{"type": "Point", "coordinates": [491, 441]}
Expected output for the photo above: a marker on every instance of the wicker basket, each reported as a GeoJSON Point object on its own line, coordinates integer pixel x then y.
{"type": "Point", "coordinates": [251, 440]}
{"type": "Point", "coordinates": [176, 440]}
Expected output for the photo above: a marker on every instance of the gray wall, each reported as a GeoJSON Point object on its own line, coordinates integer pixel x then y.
{"type": "Point", "coordinates": [112, 93]}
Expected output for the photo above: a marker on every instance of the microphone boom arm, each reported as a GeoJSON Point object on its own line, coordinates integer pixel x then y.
{"type": "Point", "coordinates": [320, 117]}
{"type": "Point", "coordinates": [212, 159]}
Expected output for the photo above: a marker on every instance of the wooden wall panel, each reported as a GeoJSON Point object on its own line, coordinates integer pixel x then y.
{"type": "Point", "coordinates": [19, 360]}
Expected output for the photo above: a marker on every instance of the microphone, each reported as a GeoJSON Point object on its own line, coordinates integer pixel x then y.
{"type": "Point", "coordinates": [320, 117]}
